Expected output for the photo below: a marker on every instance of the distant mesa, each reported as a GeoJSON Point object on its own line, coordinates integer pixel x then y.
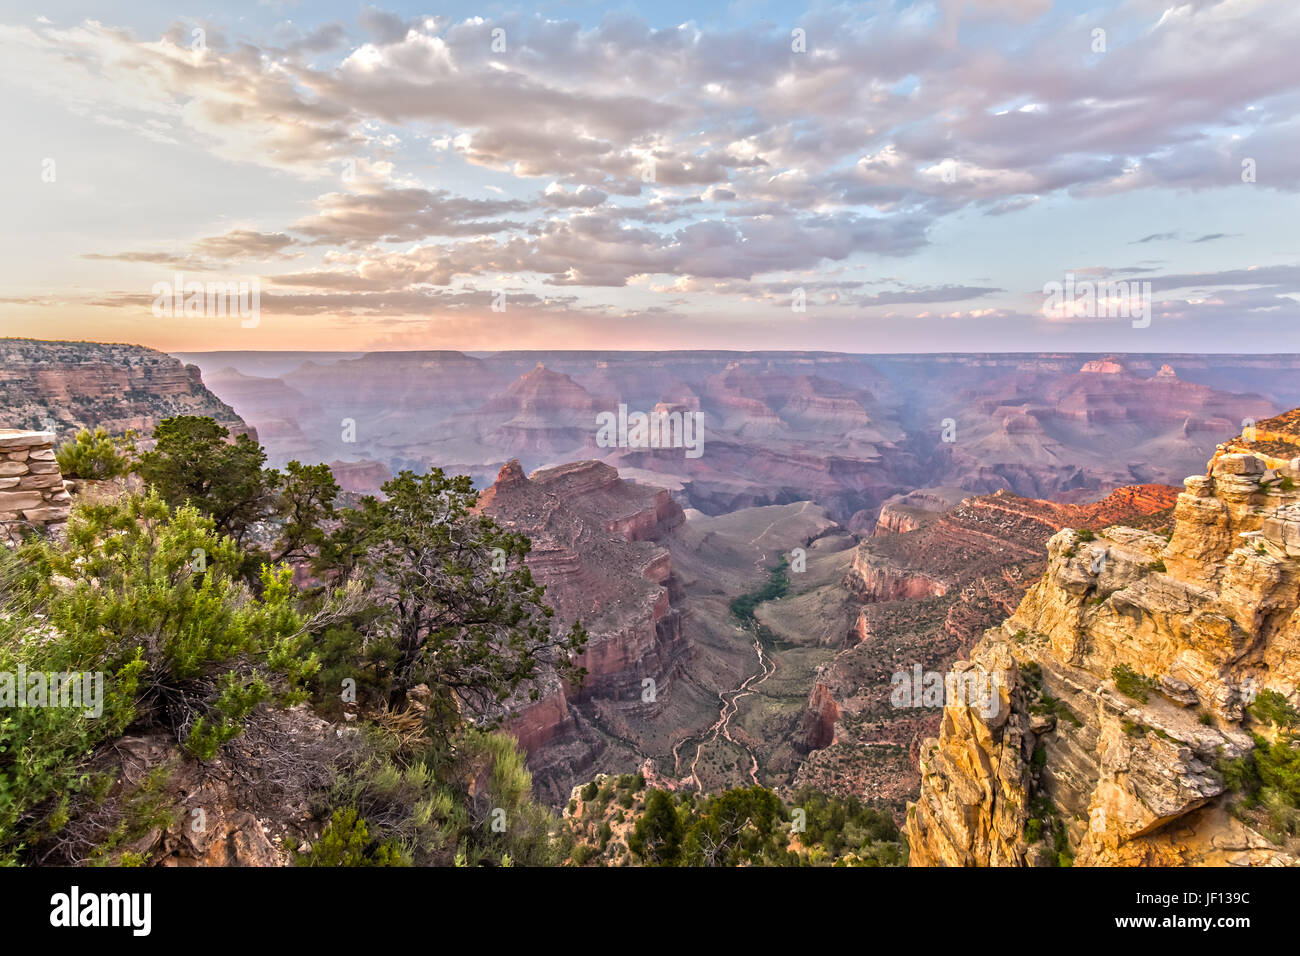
{"type": "Point", "coordinates": [1106, 366]}
{"type": "Point", "coordinates": [845, 431]}
{"type": "Point", "coordinates": [363, 477]}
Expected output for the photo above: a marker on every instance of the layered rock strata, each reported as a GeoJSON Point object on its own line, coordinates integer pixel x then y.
{"type": "Point", "coordinates": [593, 547]}
{"type": "Point", "coordinates": [1197, 624]}
{"type": "Point", "coordinates": [924, 596]}
{"type": "Point", "coordinates": [66, 386]}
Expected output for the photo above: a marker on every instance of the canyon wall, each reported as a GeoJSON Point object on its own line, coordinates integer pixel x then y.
{"type": "Point", "coordinates": [845, 431]}
{"type": "Point", "coordinates": [923, 589]}
{"type": "Point", "coordinates": [594, 548]}
{"type": "Point", "coordinates": [1124, 678]}
{"type": "Point", "coordinates": [63, 387]}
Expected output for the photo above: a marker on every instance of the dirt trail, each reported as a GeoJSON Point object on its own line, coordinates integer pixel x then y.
{"type": "Point", "coordinates": [802, 509]}
{"type": "Point", "coordinates": [731, 700]}
{"type": "Point", "coordinates": [730, 705]}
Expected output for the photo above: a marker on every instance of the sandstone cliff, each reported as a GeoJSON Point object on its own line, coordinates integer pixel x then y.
{"type": "Point", "coordinates": [593, 548]}
{"type": "Point", "coordinates": [1124, 676]}
{"type": "Point", "coordinates": [66, 386]}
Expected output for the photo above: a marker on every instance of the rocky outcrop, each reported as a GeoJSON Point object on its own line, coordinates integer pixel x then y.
{"type": "Point", "coordinates": [817, 725]}
{"type": "Point", "coordinates": [1123, 677]}
{"type": "Point", "coordinates": [916, 509]}
{"type": "Point", "coordinates": [593, 546]}
{"type": "Point", "coordinates": [873, 579]}
{"type": "Point", "coordinates": [31, 487]}
{"type": "Point", "coordinates": [66, 386]}
{"type": "Point", "coordinates": [253, 805]}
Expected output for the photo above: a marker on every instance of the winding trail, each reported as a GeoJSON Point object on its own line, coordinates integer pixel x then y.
{"type": "Point", "coordinates": [731, 698]}
{"type": "Point", "coordinates": [730, 705]}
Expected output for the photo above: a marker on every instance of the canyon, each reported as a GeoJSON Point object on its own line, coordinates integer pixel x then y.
{"type": "Point", "coordinates": [894, 601]}
{"type": "Point", "coordinates": [951, 528]}
{"type": "Point", "coordinates": [846, 431]}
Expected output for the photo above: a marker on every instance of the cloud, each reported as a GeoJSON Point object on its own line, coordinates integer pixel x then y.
{"type": "Point", "coordinates": [244, 244]}
{"type": "Point", "coordinates": [706, 160]}
{"type": "Point", "coordinates": [388, 214]}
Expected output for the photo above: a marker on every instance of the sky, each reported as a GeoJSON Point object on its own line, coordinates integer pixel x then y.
{"type": "Point", "coordinates": [865, 177]}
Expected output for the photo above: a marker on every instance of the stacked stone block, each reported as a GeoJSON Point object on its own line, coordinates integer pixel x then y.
{"type": "Point", "coordinates": [31, 488]}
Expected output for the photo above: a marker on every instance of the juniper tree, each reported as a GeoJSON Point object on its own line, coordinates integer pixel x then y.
{"type": "Point", "coordinates": [192, 462]}
{"type": "Point", "coordinates": [657, 837]}
{"type": "Point", "coordinates": [304, 504]}
{"type": "Point", "coordinates": [452, 592]}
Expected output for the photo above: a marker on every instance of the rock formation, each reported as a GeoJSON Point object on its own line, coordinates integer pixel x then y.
{"type": "Point", "coordinates": [923, 596]}
{"type": "Point", "coordinates": [66, 386]}
{"type": "Point", "coordinates": [593, 548]}
{"type": "Point", "coordinates": [844, 431]}
{"type": "Point", "coordinates": [1124, 676]}
{"type": "Point", "coordinates": [360, 477]}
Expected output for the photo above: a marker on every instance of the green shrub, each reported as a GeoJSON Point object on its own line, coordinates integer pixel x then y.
{"type": "Point", "coordinates": [96, 455]}
{"type": "Point", "coordinates": [419, 799]}
{"type": "Point", "coordinates": [1271, 707]}
{"type": "Point", "coordinates": [346, 841]}
{"type": "Point", "coordinates": [187, 650]}
{"type": "Point", "coordinates": [1132, 684]}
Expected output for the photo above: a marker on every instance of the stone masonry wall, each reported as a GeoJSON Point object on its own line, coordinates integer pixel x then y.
{"type": "Point", "coordinates": [31, 488]}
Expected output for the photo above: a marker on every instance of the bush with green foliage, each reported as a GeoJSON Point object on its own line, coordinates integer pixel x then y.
{"type": "Point", "coordinates": [430, 565]}
{"type": "Point", "coordinates": [752, 826]}
{"type": "Point", "coordinates": [96, 455]}
{"type": "Point", "coordinates": [657, 837]}
{"type": "Point", "coordinates": [1268, 777]}
{"type": "Point", "coordinates": [136, 586]}
{"type": "Point", "coordinates": [152, 599]}
{"type": "Point", "coordinates": [1132, 684]}
{"type": "Point", "coordinates": [419, 800]}
{"type": "Point", "coordinates": [346, 841]}
{"type": "Point", "coordinates": [193, 462]}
